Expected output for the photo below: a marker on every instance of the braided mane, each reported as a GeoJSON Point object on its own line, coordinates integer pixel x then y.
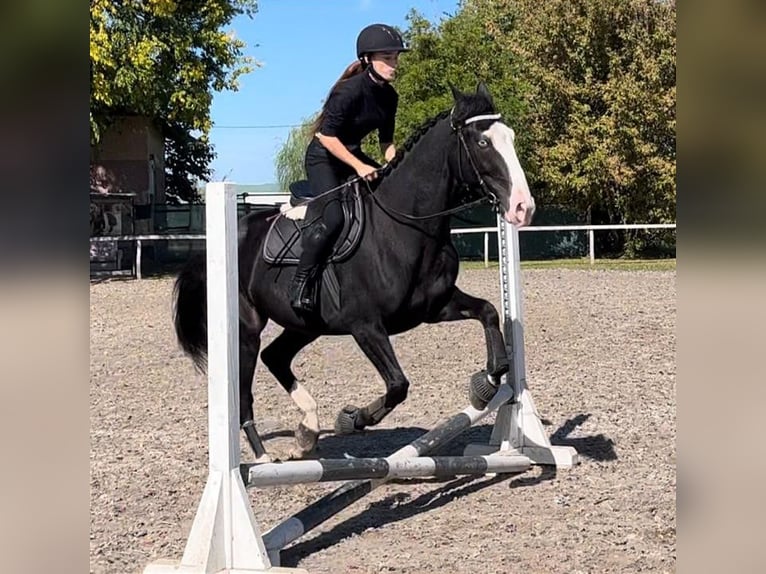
{"type": "Point", "coordinates": [415, 137]}
{"type": "Point", "coordinates": [470, 105]}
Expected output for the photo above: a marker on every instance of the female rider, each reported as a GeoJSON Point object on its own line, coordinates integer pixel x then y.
{"type": "Point", "coordinates": [361, 101]}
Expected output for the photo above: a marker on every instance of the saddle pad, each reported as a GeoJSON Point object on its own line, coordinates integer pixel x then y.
{"type": "Point", "coordinates": [283, 245]}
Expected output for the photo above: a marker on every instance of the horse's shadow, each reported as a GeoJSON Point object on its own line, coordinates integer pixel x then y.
{"type": "Point", "coordinates": [400, 506]}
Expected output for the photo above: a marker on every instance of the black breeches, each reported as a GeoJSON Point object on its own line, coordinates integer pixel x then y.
{"type": "Point", "coordinates": [322, 176]}
{"type": "Point", "coordinates": [325, 172]}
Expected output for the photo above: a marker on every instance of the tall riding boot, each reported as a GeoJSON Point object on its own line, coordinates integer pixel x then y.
{"type": "Point", "coordinates": [303, 287]}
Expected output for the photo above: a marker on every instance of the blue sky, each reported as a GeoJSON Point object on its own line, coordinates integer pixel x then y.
{"type": "Point", "coordinates": [303, 46]}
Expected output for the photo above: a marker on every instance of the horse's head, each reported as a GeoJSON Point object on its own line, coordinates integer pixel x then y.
{"type": "Point", "coordinates": [486, 157]}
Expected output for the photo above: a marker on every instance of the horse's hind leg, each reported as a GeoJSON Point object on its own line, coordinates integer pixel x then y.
{"type": "Point", "coordinates": [250, 327]}
{"type": "Point", "coordinates": [463, 306]}
{"type": "Point", "coordinates": [277, 358]}
{"type": "Point", "coordinates": [248, 355]}
{"type": "Point", "coordinates": [373, 340]}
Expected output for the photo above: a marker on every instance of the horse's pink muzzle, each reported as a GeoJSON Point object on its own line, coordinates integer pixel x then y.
{"type": "Point", "coordinates": [520, 212]}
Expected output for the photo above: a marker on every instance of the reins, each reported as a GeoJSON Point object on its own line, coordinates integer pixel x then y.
{"type": "Point", "coordinates": [389, 210]}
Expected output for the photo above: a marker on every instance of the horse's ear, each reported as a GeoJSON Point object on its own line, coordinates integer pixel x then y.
{"type": "Point", "coordinates": [455, 92]}
{"type": "Point", "coordinates": [482, 90]}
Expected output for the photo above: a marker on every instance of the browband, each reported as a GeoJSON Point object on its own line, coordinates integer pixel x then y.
{"type": "Point", "coordinates": [484, 117]}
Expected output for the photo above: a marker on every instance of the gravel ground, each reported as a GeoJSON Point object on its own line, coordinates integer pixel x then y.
{"type": "Point", "coordinates": [600, 352]}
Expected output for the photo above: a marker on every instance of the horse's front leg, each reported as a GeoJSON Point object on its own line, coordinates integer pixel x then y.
{"type": "Point", "coordinates": [463, 306]}
{"type": "Point", "coordinates": [373, 340]}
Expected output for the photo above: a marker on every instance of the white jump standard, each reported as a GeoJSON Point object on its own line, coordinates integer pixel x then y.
{"type": "Point", "coordinates": [224, 537]}
{"type": "Point", "coordinates": [518, 428]}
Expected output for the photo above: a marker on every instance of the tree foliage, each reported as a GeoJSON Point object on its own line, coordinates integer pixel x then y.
{"type": "Point", "coordinates": [459, 51]}
{"type": "Point", "coordinates": [601, 103]}
{"type": "Point", "coordinates": [164, 59]}
{"type": "Point", "coordinates": [289, 160]}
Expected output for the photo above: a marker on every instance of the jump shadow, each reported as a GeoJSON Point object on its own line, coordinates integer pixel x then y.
{"type": "Point", "coordinates": [596, 447]}
{"type": "Point", "coordinates": [391, 509]}
{"type": "Point", "coordinates": [374, 443]}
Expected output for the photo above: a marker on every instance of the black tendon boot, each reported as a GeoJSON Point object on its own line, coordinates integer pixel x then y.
{"type": "Point", "coordinates": [303, 288]}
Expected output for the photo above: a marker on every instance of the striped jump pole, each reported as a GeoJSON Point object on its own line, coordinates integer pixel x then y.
{"type": "Point", "coordinates": [328, 506]}
{"type": "Point", "coordinates": [333, 470]}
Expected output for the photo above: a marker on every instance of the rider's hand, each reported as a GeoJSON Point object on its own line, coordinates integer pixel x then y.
{"type": "Point", "coordinates": [367, 172]}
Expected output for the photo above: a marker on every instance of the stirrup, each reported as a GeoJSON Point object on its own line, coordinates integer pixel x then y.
{"type": "Point", "coordinates": [303, 294]}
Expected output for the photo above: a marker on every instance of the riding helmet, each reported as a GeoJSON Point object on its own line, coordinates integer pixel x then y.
{"type": "Point", "coordinates": [379, 38]}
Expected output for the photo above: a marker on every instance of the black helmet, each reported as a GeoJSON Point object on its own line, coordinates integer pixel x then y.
{"type": "Point", "coordinates": [379, 38]}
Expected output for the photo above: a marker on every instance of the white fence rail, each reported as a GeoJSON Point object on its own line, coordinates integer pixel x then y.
{"type": "Point", "coordinates": [591, 229]}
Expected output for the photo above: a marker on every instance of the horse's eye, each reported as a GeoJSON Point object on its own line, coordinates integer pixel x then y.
{"type": "Point", "coordinates": [483, 142]}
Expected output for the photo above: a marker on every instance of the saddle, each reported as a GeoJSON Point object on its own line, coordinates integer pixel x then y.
{"type": "Point", "coordinates": [283, 244]}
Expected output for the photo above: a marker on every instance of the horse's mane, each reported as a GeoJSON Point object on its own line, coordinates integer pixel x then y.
{"type": "Point", "coordinates": [413, 139]}
{"type": "Point", "coordinates": [470, 105]}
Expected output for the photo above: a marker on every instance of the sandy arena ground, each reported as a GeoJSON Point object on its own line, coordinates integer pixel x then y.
{"type": "Point", "coordinates": [600, 352]}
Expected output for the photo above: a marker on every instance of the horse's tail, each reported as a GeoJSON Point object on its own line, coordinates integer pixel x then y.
{"type": "Point", "coordinates": [190, 295]}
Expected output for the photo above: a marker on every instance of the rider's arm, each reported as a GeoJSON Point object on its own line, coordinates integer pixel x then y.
{"type": "Point", "coordinates": [336, 148]}
{"type": "Point", "coordinates": [342, 103]}
{"type": "Point", "coordinates": [386, 131]}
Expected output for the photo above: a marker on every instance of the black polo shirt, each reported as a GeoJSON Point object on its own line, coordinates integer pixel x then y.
{"type": "Point", "coordinates": [359, 106]}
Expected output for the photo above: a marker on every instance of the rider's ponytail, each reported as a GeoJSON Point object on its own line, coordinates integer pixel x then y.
{"type": "Point", "coordinates": [352, 70]}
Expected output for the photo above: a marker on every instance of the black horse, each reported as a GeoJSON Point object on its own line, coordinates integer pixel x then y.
{"type": "Point", "coordinates": [400, 273]}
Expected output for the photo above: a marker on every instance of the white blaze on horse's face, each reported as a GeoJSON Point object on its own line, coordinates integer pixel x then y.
{"type": "Point", "coordinates": [521, 206]}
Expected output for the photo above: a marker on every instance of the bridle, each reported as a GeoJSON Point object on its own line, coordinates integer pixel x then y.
{"type": "Point", "coordinates": [495, 202]}
{"type": "Point", "coordinates": [489, 194]}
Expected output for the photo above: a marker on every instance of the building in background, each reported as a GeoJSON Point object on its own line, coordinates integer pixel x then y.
{"type": "Point", "coordinates": [127, 182]}
{"type": "Point", "coordinates": [130, 161]}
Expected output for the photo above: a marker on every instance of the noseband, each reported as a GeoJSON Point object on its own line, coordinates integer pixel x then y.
{"type": "Point", "coordinates": [459, 129]}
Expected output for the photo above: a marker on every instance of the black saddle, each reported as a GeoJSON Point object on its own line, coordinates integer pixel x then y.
{"type": "Point", "coordinates": [300, 192]}
{"type": "Point", "coordinates": [283, 245]}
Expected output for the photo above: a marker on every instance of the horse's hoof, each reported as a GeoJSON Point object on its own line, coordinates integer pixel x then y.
{"type": "Point", "coordinates": [306, 439]}
{"type": "Point", "coordinates": [500, 368]}
{"type": "Point", "coordinates": [481, 390]}
{"type": "Point", "coordinates": [346, 421]}
{"type": "Point", "coordinates": [296, 453]}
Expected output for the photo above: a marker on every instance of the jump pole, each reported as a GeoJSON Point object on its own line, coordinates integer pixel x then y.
{"type": "Point", "coordinates": [331, 504]}
{"type": "Point", "coordinates": [518, 428]}
{"type": "Point", "coordinates": [224, 537]}
{"type": "Point", "coordinates": [334, 470]}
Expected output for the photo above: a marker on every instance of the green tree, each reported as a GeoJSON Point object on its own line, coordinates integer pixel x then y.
{"type": "Point", "coordinates": [164, 59]}
{"type": "Point", "coordinates": [601, 94]}
{"type": "Point", "coordinates": [289, 160]}
{"type": "Point", "coordinates": [588, 86]}
{"type": "Point", "coordinates": [461, 50]}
